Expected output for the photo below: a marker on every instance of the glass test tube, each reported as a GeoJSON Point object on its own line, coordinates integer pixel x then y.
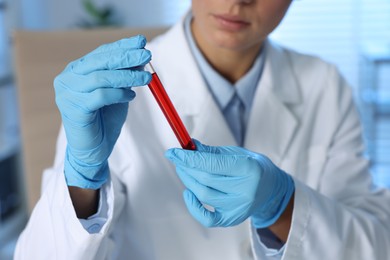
{"type": "Point", "coordinates": [169, 110]}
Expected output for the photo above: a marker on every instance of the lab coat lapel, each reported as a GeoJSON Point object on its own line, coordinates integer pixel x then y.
{"type": "Point", "coordinates": [271, 123]}
{"type": "Point", "coordinates": [210, 125]}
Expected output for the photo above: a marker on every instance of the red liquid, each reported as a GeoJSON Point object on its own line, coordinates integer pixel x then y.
{"type": "Point", "coordinates": [170, 113]}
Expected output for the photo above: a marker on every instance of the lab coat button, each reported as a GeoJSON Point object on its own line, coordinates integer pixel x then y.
{"type": "Point", "coordinates": [95, 228]}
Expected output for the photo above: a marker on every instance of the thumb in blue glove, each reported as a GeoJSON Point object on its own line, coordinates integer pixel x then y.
{"type": "Point", "coordinates": [236, 182]}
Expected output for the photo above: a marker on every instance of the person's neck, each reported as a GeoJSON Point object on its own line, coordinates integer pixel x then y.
{"type": "Point", "coordinates": [231, 64]}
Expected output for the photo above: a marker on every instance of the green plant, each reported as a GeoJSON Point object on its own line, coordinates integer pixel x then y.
{"type": "Point", "coordinates": [97, 16]}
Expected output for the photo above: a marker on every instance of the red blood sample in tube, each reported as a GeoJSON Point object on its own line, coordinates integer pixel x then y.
{"type": "Point", "coordinates": [170, 113]}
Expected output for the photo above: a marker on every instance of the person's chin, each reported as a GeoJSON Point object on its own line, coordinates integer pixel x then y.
{"type": "Point", "coordinates": [229, 41]}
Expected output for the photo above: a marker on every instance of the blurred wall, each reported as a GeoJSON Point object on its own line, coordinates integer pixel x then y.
{"type": "Point", "coordinates": [59, 14]}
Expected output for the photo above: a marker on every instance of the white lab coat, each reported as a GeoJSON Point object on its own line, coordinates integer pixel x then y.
{"type": "Point", "coordinates": [303, 118]}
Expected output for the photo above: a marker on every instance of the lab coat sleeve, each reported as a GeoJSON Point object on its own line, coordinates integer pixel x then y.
{"type": "Point", "coordinates": [345, 216]}
{"type": "Point", "coordinates": [55, 232]}
{"type": "Point", "coordinates": [94, 223]}
{"type": "Point", "coordinates": [261, 251]}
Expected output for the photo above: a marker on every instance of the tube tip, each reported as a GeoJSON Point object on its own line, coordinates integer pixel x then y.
{"type": "Point", "coordinates": [149, 67]}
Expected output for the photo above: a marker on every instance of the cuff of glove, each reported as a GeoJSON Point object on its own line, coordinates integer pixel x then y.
{"type": "Point", "coordinates": [84, 176]}
{"type": "Point", "coordinates": [264, 223]}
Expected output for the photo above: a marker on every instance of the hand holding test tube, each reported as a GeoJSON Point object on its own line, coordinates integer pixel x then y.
{"type": "Point", "coordinates": [169, 110]}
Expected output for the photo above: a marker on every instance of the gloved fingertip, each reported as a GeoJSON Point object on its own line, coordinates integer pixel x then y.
{"type": "Point", "coordinates": [192, 203]}
{"type": "Point", "coordinates": [198, 144]}
{"type": "Point", "coordinates": [187, 195]}
{"type": "Point", "coordinates": [146, 77]}
{"type": "Point", "coordinates": [179, 154]}
{"type": "Point", "coordinates": [141, 40]}
{"type": "Point", "coordinates": [200, 147]}
{"type": "Point", "coordinates": [128, 95]}
{"type": "Point", "coordinates": [146, 56]}
{"type": "Point", "coordinates": [197, 210]}
{"type": "Point", "coordinates": [169, 154]}
{"type": "Point", "coordinates": [196, 141]}
{"type": "Point", "coordinates": [174, 154]}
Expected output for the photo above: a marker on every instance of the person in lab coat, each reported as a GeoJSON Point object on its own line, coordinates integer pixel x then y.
{"type": "Point", "coordinates": [278, 173]}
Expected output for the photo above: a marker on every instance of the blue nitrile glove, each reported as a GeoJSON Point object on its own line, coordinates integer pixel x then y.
{"type": "Point", "coordinates": [236, 182]}
{"type": "Point", "coordinates": [92, 94]}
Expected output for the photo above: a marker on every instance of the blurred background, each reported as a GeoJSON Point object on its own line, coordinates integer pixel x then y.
{"type": "Point", "coordinates": [353, 34]}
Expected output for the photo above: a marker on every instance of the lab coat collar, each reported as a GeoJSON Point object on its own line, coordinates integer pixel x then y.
{"type": "Point", "coordinates": [280, 74]}
{"type": "Point", "coordinates": [272, 124]}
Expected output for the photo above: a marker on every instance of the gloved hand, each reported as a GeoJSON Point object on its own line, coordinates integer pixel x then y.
{"type": "Point", "coordinates": [92, 95]}
{"type": "Point", "coordinates": [236, 182]}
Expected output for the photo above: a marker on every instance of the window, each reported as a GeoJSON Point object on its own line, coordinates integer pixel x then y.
{"type": "Point", "coordinates": [10, 197]}
{"type": "Point", "coordinates": [3, 58]}
{"type": "Point", "coordinates": [326, 28]}
{"type": "Point", "coordinates": [341, 32]}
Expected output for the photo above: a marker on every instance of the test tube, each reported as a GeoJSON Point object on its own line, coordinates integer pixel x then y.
{"type": "Point", "coordinates": [169, 110]}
